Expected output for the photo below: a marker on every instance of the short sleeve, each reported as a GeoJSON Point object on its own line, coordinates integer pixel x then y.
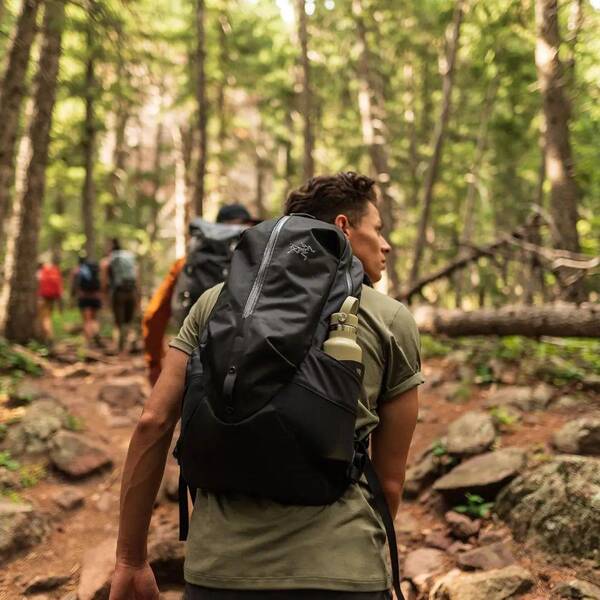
{"type": "Point", "coordinates": [187, 338]}
{"type": "Point", "coordinates": [403, 368]}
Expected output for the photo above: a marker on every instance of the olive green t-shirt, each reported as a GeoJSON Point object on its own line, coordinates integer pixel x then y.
{"type": "Point", "coordinates": [239, 542]}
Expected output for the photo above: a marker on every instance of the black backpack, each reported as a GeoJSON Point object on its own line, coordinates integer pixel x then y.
{"type": "Point", "coordinates": [265, 411]}
{"type": "Point", "coordinates": [207, 263]}
{"type": "Point", "coordinates": [88, 276]}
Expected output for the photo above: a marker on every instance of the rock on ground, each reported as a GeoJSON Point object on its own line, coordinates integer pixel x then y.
{"type": "Point", "coordinates": [69, 498]}
{"type": "Point", "coordinates": [122, 394]}
{"type": "Point", "coordinates": [75, 456]}
{"type": "Point", "coordinates": [556, 506]}
{"type": "Point", "coordinates": [492, 556]}
{"type": "Point", "coordinates": [426, 469]}
{"type": "Point", "coordinates": [498, 584]}
{"type": "Point", "coordinates": [45, 583]}
{"type": "Point", "coordinates": [580, 436]}
{"type": "Point", "coordinates": [577, 589]}
{"type": "Point", "coordinates": [484, 475]}
{"type": "Point", "coordinates": [422, 565]}
{"type": "Point", "coordinates": [524, 398]}
{"type": "Point", "coordinates": [166, 554]}
{"type": "Point", "coordinates": [96, 571]}
{"type": "Point", "coordinates": [20, 528]}
{"type": "Point", "coordinates": [33, 433]}
{"type": "Point", "coordinates": [461, 526]}
{"type": "Point", "coordinates": [472, 433]}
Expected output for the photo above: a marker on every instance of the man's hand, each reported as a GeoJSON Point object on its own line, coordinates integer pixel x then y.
{"type": "Point", "coordinates": [133, 583]}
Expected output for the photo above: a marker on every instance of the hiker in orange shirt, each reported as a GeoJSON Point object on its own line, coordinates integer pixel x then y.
{"type": "Point", "coordinates": [159, 310]}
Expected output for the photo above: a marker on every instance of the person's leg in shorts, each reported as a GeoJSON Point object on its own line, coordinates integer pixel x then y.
{"type": "Point", "coordinates": [45, 310]}
{"type": "Point", "coordinates": [123, 306]}
{"type": "Point", "coordinates": [194, 592]}
{"type": "Point", "coordinates": [89, 308]}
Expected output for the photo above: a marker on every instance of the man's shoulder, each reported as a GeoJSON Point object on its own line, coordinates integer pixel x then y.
{"type": "Point", "coordinates": [382, 307]}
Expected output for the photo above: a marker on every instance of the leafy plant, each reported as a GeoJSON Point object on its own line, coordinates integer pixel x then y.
{"type": "Point", "coordinates": [433, 348]}
{"type": "Point", "coordinates": [3, 431]}
{"type": "Point", "coordinates": [7, 461]}
{"type": "Point", "coordinates": [501, 415]}
{"type": "Point", "coordinates": [30, 475]}
{"type": "Point", "coordinates": [11, 360]}
{"type": "Point", "coordinates": [475, 506]}
{"type": "Point", "coordinates": [73, 423]}
{"type": "Point", "coordinates": [439, 449]}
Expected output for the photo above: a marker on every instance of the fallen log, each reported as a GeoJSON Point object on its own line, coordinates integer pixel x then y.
{"type": "Point", "coordinates": [558, 320]}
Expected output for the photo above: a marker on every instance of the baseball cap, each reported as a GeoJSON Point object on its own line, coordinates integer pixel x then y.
{"type": "Point", "coordinates": [229, 212]}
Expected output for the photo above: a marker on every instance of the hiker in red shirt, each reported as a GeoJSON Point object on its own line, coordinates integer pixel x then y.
{"type": "Point", "coordinates": [50, 291]}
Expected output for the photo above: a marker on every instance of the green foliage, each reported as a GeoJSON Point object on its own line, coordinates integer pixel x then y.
{"type": "Point", "coordinates": [432, 347]}
{"type": "Point", "coordinates": [3, 431]}
{"type": "Point", "coordinates": [503, 417]}
{"type": "Point", "coordinates": [12, 361]}
{"type": "Point", "coordinates": [475, 506]}
{"type": "Point", "coordinates": [7, 461]}
{"type": "Point", "coordinates": [30, 475]}
{"type": "Point", "coordinates": [74, 423]}
{"type": "Point", "coordinates": [439, 449]}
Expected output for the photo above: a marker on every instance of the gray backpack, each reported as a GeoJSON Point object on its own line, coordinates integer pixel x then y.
{"type": "Point", "coordinates": [123, 270]}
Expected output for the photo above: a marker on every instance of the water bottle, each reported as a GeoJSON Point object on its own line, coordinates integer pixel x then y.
{"type": "Point", "coordinates": [341, 343]}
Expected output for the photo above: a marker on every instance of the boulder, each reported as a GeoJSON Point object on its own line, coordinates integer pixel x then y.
{"type": "Point", "coordinates": [122, 394]}
{"type": "Point", "coordinates": [497, 584]}
{"type": "Point", "coordinates": [556, 506]}
{"type": "Point", "coordinates": [422, 565]}
{"type": "Point", "coordinates": [430, 465]}
{"type": "Point", "coordinates": [484, 475]}
{"type": "Point", "coordinates": [32, 435]}
{"type": "Point", "coordinates": [577, 589]}
{"type": "Point", "coordinates": [461, 526]}
{"type": "Point", "coordinates": [472, 433]}
{"type": "Point", "coordinates": [46, 583]}
{"type": "Point", "coordinates": [524, 398]}
{"type": "Point", "coordinates": [493, 556]}
{"type": "Point", "coordinates": [68, 498]}
{"type": "Point", "coordinates": [438, 539]}
{"type": "Point", "coordinates": [77, 457]}
{"type": "Point", "coordinates": [166, 554]}
{"type": "Point", "coordinates": [580, 436]}
{"type": "Point", "coordinates": [21, 527]}
{"type": "Point", "coordinates": [96, 571]}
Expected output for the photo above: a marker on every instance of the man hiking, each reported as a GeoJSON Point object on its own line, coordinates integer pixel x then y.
{"type": "Point", "coordinates": [159, 310]}
{"type": "Point", "coordinates": [250, 547]}
{"type": "Point", "coordinates": [119, 283]}
{"type": "Point", "coordinates": [86, 290]}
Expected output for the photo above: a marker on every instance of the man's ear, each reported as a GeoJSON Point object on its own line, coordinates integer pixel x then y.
{"type": "Point", "coordinates": [343, 223]}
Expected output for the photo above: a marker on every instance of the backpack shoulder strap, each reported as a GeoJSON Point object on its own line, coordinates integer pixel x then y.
{"type": "Point", "coordinates": [388, 523]}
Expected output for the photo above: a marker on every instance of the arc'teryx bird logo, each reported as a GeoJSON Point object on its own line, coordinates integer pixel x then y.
{"type": "Point", "coordinates": [302, 248]}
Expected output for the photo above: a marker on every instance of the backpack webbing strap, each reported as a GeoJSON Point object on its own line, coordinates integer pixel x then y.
{"type": "Point", "coordinates": [388, 523]}
{"type": "Point", "coordinates": [184, 515]}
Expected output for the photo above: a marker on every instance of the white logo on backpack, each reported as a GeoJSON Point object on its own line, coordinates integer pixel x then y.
{"type": "Point", "coordinates": [302, 249]}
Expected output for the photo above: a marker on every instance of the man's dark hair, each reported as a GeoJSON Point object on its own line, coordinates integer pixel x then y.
{"type": "Point", "coordinates": [327, 196]}
{"type": "Point", "coordinates": [115, 244]}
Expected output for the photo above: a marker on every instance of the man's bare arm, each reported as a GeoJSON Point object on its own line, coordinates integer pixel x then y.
{"type": "Point", "coordinates": [146, 459]}
{"type": "Point", "coordinates": [390, 443]}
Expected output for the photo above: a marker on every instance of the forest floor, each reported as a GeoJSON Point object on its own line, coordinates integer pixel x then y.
{"type": "Point", "coordinates": [78, 387]}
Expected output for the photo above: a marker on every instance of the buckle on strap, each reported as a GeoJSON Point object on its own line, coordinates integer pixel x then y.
{"type": "Point", "coordinates": [359, 459]}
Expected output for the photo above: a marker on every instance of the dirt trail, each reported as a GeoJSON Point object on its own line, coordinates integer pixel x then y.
{"type": "Point", "coordinates": [73, 533]}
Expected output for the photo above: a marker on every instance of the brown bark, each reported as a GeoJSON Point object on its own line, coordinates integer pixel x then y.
{"type": "Point", "coordinates": [221, 107]}
{"type": "Point", "coordinates": [559, 320]}
{"type": "Point", "coordinates": [13, 91]}
{"type": "Point", "coordinates": [22, 303]}
{"type": "Point", "coordinates": [88, 193]}
{"type": "Point", "coordinates": [560, 172]}
{"type": "Point", "coordinates": [57, 234]}
{"type": "Point", "coordinates": [306, 100]}
{"type": "Point", "coordinates": [374, 132]}
{"type": "Point", "coordinates": [438, 140]}
{"type": "Point", "coordinates": [202, 109]}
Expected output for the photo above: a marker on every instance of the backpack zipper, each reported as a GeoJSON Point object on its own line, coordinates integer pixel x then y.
{"type": "Point", "coordinates": [262, 270]}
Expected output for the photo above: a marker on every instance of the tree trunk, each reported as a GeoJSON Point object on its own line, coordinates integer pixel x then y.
{"type": "Point", "coordinates": [57, 234]}
{"type": "Point", "coordinates": [564, 194]}
{"type": "Point", "coordinates": [438, 140]}
{"type": "Point", "coordinates": [373, 118]}
{"type": "Point", "coordinates": [202, 109]}
{"type": "Point", "coordinates": [306, 97]}
{"type": "Point", "coordinates": [559, 320]}
{"type": "Point", "coordinates": [221, 107]}
{"type": "Point", "coordinates": [88, 194]}
{"type": "Point", "coordinates": [410, 118]}
{"type": "Point", "coordinates": [13, 91]}
{"type": "Point", "coordinates": [22, 303]}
